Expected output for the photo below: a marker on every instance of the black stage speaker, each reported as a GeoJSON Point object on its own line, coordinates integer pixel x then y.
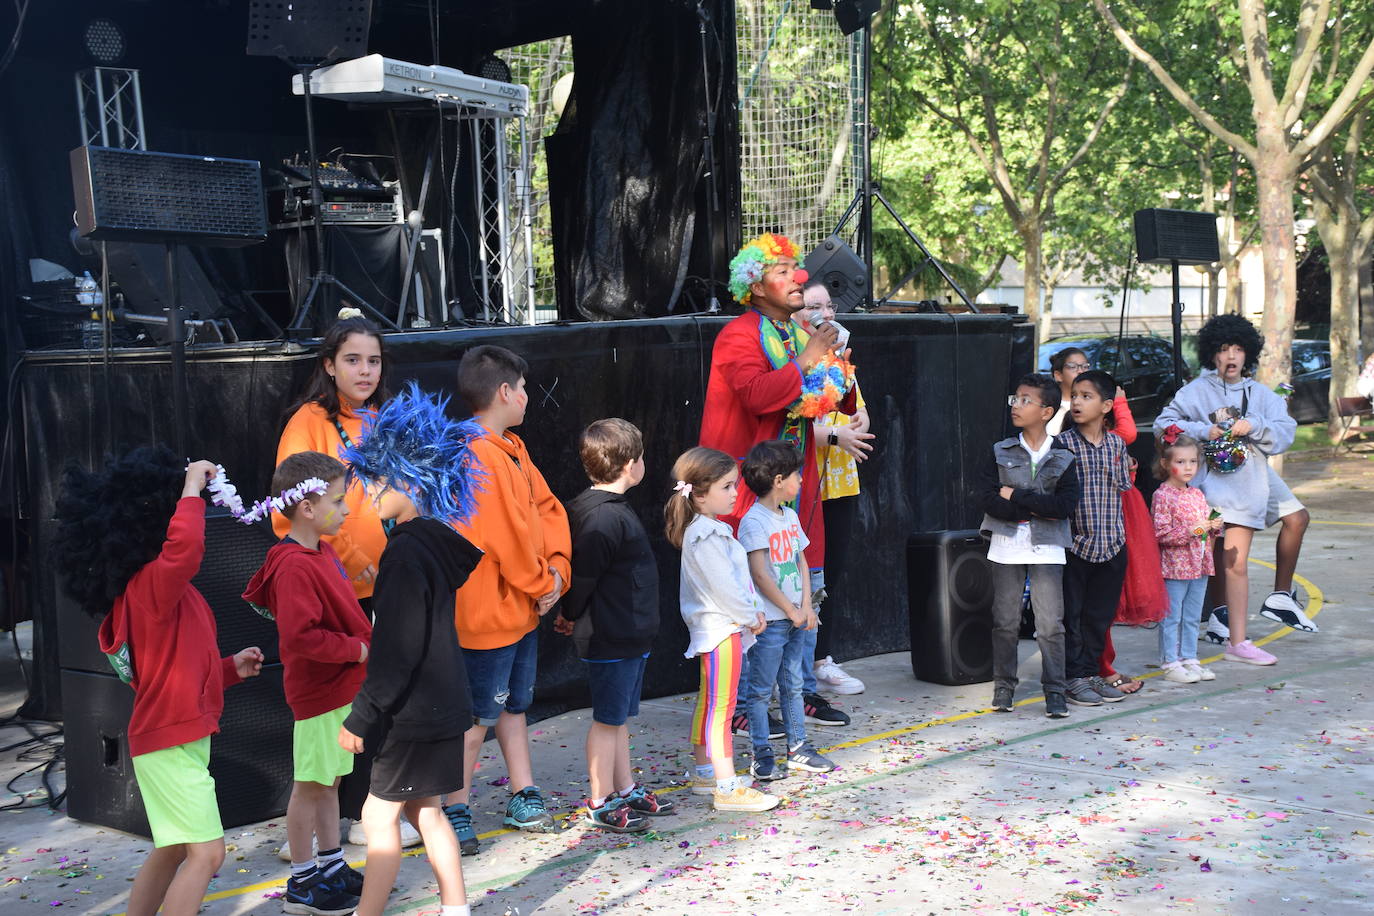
{"type": "Point", "coordinates": [1162, 236]}
{"type": "Point", "coordinates": [250, 758]}
{"type": "Point", "coordinates": [138, 196]}
{"type": "Point", "coordinates": [949, 590]}
{"type": "Point", "coordinates": [844, 273]}
{"type": "Point", "coordinates": [309, 30]}
{"type": "Point", "coordinates": [233, 552]}
{"type": "Point", "coordinates": [140, 269]}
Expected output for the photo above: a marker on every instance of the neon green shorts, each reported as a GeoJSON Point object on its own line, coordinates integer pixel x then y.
{"type": "Point", "coordinates": [179, 794]}
{"type": "Point", "coordinates": [315, 751]}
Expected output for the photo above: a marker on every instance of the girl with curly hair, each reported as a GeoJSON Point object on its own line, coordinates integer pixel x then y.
{"type": "Point", "coordinates": [1227, 408]}
{"type": "Point", "coordinates": [127, 548]}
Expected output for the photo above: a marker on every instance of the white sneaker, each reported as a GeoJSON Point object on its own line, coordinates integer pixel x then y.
{"type": "Point", "coordinates": [1218, 628]}
{"type": "Point", "coordinates": [1203, 674]}
{"type": "Point", "coordinates": [1180, 674]}
{"type": "Point", "coordinates": [700, 785]}
{"type": "Point", "coordinates": [830, 676]}
{"type": "Point", "coordinates": [285, 852]}
{"type": "Point", "coordinates": [409, 835]}
{"type": "Point", "coordinates": [1282, 607]}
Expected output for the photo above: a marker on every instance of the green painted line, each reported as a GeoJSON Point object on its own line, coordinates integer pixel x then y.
{"type": "Point", "coordinates": [1192, 697]}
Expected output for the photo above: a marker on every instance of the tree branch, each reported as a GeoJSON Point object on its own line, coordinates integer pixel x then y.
{"type": "Point", "coordinates": [1254, 30]}
{"type": "Point", "coordinates": [1093, 134]}
{"type": "Point", "coordinates": [1341, 108]}
{"type": "Point", "coordinates": [1311, 27]}
{"type": "Point", "coordinates": [1180, 95]}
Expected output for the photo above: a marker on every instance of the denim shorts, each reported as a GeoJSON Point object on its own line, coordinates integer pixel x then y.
{"type": "Point", "coordinates": [502, 679]}
{"type": "Point", "coordinates": [615, 687]}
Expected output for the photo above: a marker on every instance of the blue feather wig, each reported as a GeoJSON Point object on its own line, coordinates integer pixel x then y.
{"type": "Point", "coordinates": [412, 445]}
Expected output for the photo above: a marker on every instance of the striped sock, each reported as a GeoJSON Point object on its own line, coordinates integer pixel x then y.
{"type": "Point", "coordinates": [329, 859]}
{"type": "Point", "coordinates": [303, 870]}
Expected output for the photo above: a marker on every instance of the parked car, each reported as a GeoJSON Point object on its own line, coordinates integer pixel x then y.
{"type": "Point", "coordinates": [1142, 365]}
{"type": "Point", "coordinates": [1311, 380]}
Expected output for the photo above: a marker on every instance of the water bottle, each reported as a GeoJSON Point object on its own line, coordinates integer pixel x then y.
{"type": "Point", "coordinates": [88, 291]}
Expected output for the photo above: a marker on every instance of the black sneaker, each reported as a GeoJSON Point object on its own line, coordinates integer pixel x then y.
{"type": "Point", "coordinates": [765, 766]}
{"type": "Point", "coordinates": [740, 726]}
{"type": "Point", "coordinates": [616, 816]}
{"type": "Point", "coordinates": [805, 757]}
{"type": "Point", "coordinates": [1081, 693]}
{"type": "Point", "coordinates": [1001, 699]}
{"type": "Point", "coordinates": [820, 712]}
{"type": "Point", "coordinates": [460, 819]}
{"type": "Point", "coordinates": [316, 895]}
{"type": "Point", "coordinates": [646, 802]}
{"type": "Point", "coordinates": [345, 876]}
{"type": "Point", "coordinates": [1055, 706]}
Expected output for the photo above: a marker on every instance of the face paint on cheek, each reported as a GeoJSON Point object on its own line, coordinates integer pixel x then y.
{"type": "Point", "coordinates": [330, 516]}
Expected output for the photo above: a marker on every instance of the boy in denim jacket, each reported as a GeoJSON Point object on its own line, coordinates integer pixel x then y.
{"type": "Point", "coordinates": [1028, 490]}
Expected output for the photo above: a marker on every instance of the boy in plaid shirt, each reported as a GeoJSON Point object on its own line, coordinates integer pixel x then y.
{"type": "Point", "coordinates": [1096, 561]}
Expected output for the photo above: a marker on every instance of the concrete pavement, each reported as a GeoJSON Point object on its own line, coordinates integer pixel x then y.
{"type": "Point", "coordinates": [1250, 794]}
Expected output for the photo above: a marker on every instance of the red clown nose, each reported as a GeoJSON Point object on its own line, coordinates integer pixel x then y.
{"type": "Point", "coordinates": [800, 275]}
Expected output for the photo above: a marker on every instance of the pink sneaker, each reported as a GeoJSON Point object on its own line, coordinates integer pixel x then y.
{"type": "Point", "coordinates": [1249, 653]}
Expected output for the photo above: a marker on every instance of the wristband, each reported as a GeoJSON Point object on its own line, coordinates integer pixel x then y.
{"type": "Point", "coordinates": [834, 438]}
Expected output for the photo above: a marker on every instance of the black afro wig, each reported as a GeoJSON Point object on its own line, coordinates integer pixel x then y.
{"type": "Point", "coordinates": [1228, 329]}
{"type": "Point", "coordinates": [113, 522]}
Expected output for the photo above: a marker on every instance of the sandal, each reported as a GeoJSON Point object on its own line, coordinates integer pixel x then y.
{"type": "Point", "coordinates": [1125, 683]}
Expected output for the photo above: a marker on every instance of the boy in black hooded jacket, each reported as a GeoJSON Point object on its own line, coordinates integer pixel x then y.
{"type": "Point", "coordinates": [611, 611]}
{"type": "Point", "coordinates": [414, 706]}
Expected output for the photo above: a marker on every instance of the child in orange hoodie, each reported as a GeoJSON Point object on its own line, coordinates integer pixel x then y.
{"type": "Point", "coordinates": [523, 530]}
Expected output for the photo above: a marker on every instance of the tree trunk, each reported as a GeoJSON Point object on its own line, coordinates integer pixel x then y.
{"type": "Point", "coordinates": [1345, 326]}
{"type": "Point", "coordinates": [1046, 328]}
{"type": "Point", "coordinates": [1366, 273]}
{"type": "Point", "coordinates": [1275, 180]}
{"type": "Point", "coordinates": [1033, 269]}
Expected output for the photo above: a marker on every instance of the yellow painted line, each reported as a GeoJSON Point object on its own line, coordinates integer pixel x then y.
{"type": "Point", "coordinates": [1348, 524]}
{"type": "Point", "coordinates": [1315, 601]}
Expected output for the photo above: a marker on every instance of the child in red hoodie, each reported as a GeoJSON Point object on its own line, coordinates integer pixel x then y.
{"type": "Point", "coordinates": [324, 637]}
{"type": "Point", "coordinates": [159, 634]}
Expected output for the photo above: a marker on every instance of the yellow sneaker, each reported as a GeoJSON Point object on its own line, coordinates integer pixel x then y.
{"type": "Point", "coordinates": [744, 798]}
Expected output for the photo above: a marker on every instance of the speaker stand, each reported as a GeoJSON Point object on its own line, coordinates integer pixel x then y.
{"type": "Point", "coordinates": [1177, 314]}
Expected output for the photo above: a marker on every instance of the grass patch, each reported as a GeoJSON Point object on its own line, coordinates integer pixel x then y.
{"type": "Point", "coordinates": [1311, 436]}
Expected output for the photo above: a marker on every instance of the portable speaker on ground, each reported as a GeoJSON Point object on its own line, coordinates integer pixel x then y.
{"type": "Point", "coordinates": [950, 602]}
{"type": "Point", "coordinates": [233, 552]}
{"type": "Point", "coordinates": [844, 274]}
{"type": "Point", "coordinates": [250, 758]}
{"type": "Point", "coordinates": [137, 196]}
{"type": "Point", "coordinates": [1162, 236]}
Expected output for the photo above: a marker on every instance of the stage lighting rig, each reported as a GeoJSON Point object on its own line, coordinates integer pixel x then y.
{"type": "Point", "coordinates": [104, 41]}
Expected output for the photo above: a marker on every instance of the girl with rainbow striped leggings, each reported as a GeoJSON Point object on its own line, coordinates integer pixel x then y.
{"type": "Point", "coordinates": [722, 614]}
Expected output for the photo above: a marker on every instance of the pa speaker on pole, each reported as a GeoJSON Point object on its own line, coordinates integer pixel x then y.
{"type": "Point", "coordinates": [1164, 236]}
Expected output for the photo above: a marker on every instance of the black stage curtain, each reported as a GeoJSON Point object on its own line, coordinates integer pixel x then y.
{"type": "Point", "coordinates": [935, 385]}
{"type": "Point", "coordinates": [626, 165]}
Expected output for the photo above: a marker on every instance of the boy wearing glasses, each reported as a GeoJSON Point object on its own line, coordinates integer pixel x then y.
{"type": "Point", "coordinates": [1028, 491]}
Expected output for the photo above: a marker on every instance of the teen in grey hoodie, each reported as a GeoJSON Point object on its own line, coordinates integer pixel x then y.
{"type": "Point", "coordinates": [1241, 495]}
{"type": "Point", "coordinates": [1228, 347]}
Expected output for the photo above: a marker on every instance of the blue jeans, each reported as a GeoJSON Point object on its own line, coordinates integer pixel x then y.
{"type": "Point", "coordinates": [809, 649]}
{"type": "Point", "coordinates": [1178, 630]}
{"type": "Point", "coordinates": [776, 658]}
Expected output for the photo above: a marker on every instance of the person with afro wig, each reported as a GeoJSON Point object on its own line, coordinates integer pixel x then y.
{"type": "Point", "coordinates": [127, 547]}
{"type": "Point", "coordinates": [1225, 402]}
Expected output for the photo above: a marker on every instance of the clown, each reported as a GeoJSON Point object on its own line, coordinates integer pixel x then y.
{"type": "Point", "coordinates": [768, 376]}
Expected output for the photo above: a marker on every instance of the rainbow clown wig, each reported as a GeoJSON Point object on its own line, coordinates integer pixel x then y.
{"type": "Point", "coordinates": [753, 259]}
{"type": "Point", "coordinates": [412, 445]}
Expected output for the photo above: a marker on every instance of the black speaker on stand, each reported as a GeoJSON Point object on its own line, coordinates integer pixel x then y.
{"type": "Point", "coordinates": [949, 587]}
{"type": "Point", "coordinates": [1176, 237]}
